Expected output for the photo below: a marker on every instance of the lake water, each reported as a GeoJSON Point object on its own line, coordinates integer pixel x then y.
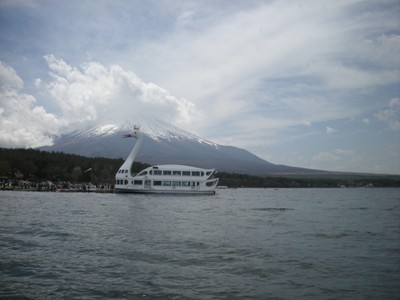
{"type": "Point", "coordinates": [237, 244]}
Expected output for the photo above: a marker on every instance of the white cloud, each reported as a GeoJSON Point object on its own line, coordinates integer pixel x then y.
{"type": "Point", "coordinates": [22, 122]}
{"type": "Point", "coordinates": [184, 19]}
{"type": "Point", "coordinates": [339, 76]}
{"type": "Point", "coordinates": [309, 59]}
{"type": "Point", "coordinates": [330, 130]}
{"type": "Point", "coordinates": [247, 45]}
{"type": "Point", "coordinates": [8, 78]}
{"type": "Point", "coordinates": [84, 96]}
{"type": "Point", "coordinates": [94, 93]}
{"type": "Point", "coordinates": [390, 115]}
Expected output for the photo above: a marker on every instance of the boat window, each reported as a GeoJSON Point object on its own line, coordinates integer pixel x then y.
{"type": "Point", "coordinates": [185, 173]}
{"type": "Point", "coordinates": [177, 173]}
{"type": "Point", "coordinates": [151, 172]}
{"type": "Point", "coordinates": [195, 173]}
{"type": "Point", "coordinates": [126, 182]}
{"type": "Point", "coordinates": [157, 172]}
{"type": "Point", "coordinates": [142, 173]}
{"type": "Point", "coordinates": [165, 172]}
{"type": "Point", "coordinates": [210, 183]}
{"type": "Point", "coordinates": [176, 183]}
{"type": "Point", "coordinates": [208, 173]}
{"type": "Point", "coordinates": [138, 182]}
{"type": "Point", "coordinates": [156, 183]}
{"type": "Point", "coordinates": [202, 173]}
{"type": "Point", "coordinates": [185, 183]}
{"type": "Point", "coordinates": [166, 183]}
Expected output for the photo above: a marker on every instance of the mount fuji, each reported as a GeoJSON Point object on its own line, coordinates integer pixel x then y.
{"type": "Point", "coordinates": [166, 144]}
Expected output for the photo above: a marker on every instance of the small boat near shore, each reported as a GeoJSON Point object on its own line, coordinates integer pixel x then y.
{"type": "Point", "coordinates": [163, 179]}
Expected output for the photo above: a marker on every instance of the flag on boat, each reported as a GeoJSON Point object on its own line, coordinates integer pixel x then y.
{"type": "Point", "coordinates": [128, 135]}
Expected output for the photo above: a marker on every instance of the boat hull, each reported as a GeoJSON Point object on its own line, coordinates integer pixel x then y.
{"type": "Point", "coordinates": [164, 192]}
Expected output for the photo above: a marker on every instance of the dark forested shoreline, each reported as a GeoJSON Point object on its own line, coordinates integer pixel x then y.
{"type": "Point", "coordinates": [36, 165]}
{"type": "Point", "coordinates": [309, 181]}
{"type": "Point", "coordinates": [39, 166]}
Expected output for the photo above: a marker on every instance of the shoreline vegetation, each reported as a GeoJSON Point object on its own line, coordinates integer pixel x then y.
{"type": "Point", "coordinates": [35, 170]}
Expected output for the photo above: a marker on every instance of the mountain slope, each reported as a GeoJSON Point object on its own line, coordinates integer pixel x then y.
{"type": "Point", "coordinates": [166, 144]}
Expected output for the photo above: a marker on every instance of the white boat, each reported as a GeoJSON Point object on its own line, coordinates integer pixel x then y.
{"type": "Point", "coordinates": [163, 179]}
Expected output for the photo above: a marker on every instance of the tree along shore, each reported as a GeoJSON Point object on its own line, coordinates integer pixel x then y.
{"type": "Point", "coordinates": [39, 167]}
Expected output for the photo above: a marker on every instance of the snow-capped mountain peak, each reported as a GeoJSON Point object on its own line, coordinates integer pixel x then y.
{"type": "Point", "coordinates": [158, 129]}
{"type": "Point", "coordinates": [155, 129]}
{"type": "Point", "coordinates": [106, 129]}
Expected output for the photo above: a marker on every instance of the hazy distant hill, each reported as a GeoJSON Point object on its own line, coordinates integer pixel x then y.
{"type": "Point", "coordinates": [166, 144]}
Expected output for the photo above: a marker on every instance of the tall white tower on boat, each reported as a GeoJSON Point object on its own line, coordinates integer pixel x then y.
{"type": "Point", "coordinates": [125, 169]}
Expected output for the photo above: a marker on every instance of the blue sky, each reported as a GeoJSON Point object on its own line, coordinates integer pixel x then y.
{"type": "Point", "coordinates": [312, 84]}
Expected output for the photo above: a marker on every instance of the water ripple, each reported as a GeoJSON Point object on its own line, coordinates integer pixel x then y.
{"type": "Point", "coordinates": [239, 244]}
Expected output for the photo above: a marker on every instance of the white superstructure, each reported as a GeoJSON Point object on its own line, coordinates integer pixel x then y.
{"type": "Point", "coordinates": [176, 179]}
